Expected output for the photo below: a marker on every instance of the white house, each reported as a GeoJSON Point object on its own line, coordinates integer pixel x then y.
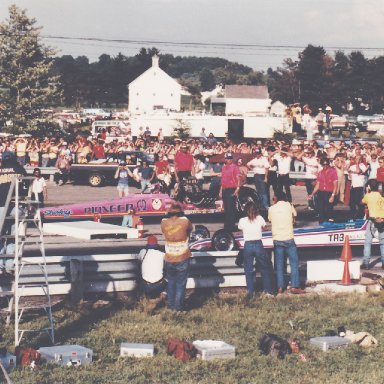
{"type": "Point", "coordinates": [245, 99]}
{"type": "Point", "coordinates": [154, 89]}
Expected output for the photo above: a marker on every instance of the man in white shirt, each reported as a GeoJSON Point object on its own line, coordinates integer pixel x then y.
{"type": "Point", "coordinates": [38, 189]}
{"type": "Point", "coordinates": [152, 266]}
{"type": "Point", "coordinates": [260, 166]}
{"type": "Point", "coordinates": [373, 165]}
{"type": "Point", "coordinates": [312, 167]}
{"type": "Point", "coordinates": [357, 171]}
{"type": "Point", "coordinates": [284, 167]}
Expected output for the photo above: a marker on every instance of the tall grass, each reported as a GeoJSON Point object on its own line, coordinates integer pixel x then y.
{"type": "Point", "coordinates": [220, 316]}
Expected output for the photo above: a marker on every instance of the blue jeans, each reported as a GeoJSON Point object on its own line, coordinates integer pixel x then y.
{"type": "Point", "coordinates": [261, 190]}
{"type": "Point", "coordinates": [177, 275]}
{"type": "Point", "coordinates": [370, 233]}
{"type": "Point", "coordinates": [255, 249]}
{"type": "Point", "coordinates": [127, 221]}
{"type": "Point", "coordinates": [153, 288]}
{"type": "Point", "coordinates": [144, 185]}
{"type": "Point", "coordinates": [283, 249]}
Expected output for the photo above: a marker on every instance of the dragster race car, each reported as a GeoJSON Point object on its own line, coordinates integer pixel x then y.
{"type": "Point", "coordinates": [327, 233]}
{"type": "Point", "coordinates": [190, 195]}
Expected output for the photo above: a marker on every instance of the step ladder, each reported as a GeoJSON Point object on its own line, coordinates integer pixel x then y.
{"type": "Point", "coordinates": [19, 217]}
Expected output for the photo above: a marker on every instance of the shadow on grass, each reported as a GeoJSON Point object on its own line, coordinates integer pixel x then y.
{"type": "Point", "coordinates": [91, 312]}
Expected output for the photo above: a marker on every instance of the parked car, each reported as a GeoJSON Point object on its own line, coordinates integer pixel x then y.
{"type": "Point", "coordinates": [101, 172]}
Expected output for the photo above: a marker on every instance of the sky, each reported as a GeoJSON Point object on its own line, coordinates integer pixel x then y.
{"type": "Point", "coordinates": [256, 33]}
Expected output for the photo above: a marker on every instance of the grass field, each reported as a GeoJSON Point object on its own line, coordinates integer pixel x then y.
{"type": "Point", "coordinates": [224, 316]}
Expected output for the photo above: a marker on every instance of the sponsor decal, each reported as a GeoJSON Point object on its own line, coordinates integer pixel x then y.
{"type": "Point", "coordinates": [141, 205]}
{"type": "Point", "coordinates": [112, 208]}
{"type": "Point", "coordinates": [156, 204]}
{"type": "Point", "coordinates": [58, 212]}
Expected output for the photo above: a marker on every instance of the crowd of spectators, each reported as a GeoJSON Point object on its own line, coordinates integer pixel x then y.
{"type": "Point", "coordinates": [355, 162]}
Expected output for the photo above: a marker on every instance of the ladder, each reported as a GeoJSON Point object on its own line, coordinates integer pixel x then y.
{"type": "Point", "coordinates": [23, 213]}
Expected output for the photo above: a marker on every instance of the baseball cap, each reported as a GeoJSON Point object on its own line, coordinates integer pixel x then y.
{"type": "Point", "coordinates": [258, 151]}
{"type": "Point", "coordinates": [228, 155]}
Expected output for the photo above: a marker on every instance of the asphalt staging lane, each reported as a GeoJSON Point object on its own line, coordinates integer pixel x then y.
{"type": "Point", "coordinates": [71, 194]}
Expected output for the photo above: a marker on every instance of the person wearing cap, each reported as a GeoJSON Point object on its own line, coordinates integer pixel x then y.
{"type": "Point", "coordinates": [284, 161]}
{"type": "Point", "coordinates": [230, 188]}
{"type": "Point", "coordinates": [121, 174]}
{"type": "Point", "coordinates": [183, 163]}
{"type": "Point", "coordinates": [325, 190]}
{"type": "Point", "coordinates": [260, 168]}
{"type": "Point", "coordinates": [176, 229]}
{"type": "Point", "coordinates": [152, 268]}
{"type": "Point", "coordinates": [312, 168]}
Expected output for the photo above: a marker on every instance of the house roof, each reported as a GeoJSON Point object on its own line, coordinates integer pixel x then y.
{"type": "Point", "coordinates": [246, 91]}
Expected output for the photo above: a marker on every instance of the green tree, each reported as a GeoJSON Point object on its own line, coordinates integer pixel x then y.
{"type": "Point", "coordinates": [207, 80]}
{"type": "Point", "coordinates": [25, 73]}
{"type": "Point", "coordinates": [311, 73]}
{"type": "Point", "coordinates": [283, 84]}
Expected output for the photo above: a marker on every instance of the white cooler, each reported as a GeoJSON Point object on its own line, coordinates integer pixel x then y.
{"type": "Point", "coordinates": [137, 349]}
{"type": "Point", "coordinates": [67, 355]}
{"type": "Point", "coordinates": [214, 349]}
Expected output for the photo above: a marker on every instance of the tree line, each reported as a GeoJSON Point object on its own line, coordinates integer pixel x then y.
{"type": "Point", "coordinates": [33, 78]}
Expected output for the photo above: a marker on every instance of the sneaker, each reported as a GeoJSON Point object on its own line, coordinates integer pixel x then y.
{"type": "Point", "coordinates": [297, 291]}
{"type": "Point", "coordinates": [365, 266]}
{"type": "Point", "coordinates": [310, 209]}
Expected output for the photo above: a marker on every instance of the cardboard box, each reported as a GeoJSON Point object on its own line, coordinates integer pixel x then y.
{"type": "Point", "coordinates": [67, 355]}
{"type": "Point", "coordinates": [137, 349]}
{"type": "Point", "coordinates": [214, 349]}
{"type": "Point", "coordinates": [330, 342]}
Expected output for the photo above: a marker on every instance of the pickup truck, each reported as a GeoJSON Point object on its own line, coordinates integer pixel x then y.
{"type": "Point", "coordinates": [101, 172]}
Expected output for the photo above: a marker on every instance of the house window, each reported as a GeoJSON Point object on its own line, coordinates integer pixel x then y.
{"type": "Point", "coordinates": [154, 94]}
{"type": "Point", "coordinates": [171, 94]}
{"type": "Point", "coordinates": [137, 94]}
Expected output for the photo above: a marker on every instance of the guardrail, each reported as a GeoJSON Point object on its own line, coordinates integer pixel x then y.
{"type": "Point", "coordinates": [78, 275]}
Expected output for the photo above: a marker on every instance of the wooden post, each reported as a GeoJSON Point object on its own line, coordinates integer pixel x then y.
{"type": "Point", "coordinates": [77, 282]}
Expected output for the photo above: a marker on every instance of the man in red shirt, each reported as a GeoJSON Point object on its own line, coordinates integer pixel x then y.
{"type": "Point", "coordinates": [98, 150]}
{"type": "Point", "coordinates": [230, 187]}
{"type": "Point", "coordinates": [160, 166]}
{"type": "Point", "coordinates": [325, 190]}
{"type": "Point", "coordinates": [380, 173]}
{"type": "Point", "coordinates": [183, 163]}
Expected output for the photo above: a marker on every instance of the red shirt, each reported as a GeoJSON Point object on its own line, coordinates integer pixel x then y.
{"type": "Point", "coordinates": [380, 175]}
{"type": "Point", "coordinates": [183, 161]}
{"type": "Point", "coordinates": [161, 165]}
{"type": "Point", "coordinates": [230, 176]}
{"type": "Point", "coordinates": [98, 151]}
{"type": "Point", "coordinates": [326, 179]}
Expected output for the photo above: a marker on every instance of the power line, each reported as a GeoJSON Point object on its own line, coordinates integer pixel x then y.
{"type": "Point", "coordinates": [200, 44]}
